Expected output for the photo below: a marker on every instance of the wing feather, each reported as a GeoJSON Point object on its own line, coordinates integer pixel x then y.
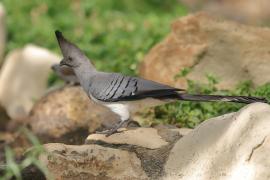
{"type": "Point", "coordinates": [113, 87]}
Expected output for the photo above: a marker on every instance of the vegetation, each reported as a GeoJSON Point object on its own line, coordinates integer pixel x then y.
{"type": "Point", "coordinates": [114, 33]}
{"type": "Point", "coordinates": [190, 114]}
{"type": "Point", "coordinates": [13, 169]}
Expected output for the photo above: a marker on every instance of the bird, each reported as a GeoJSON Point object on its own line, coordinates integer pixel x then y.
{"type": "Point", "coordinates": [65, 73]}
{"type": "Point", "coordinates": [124, 94]}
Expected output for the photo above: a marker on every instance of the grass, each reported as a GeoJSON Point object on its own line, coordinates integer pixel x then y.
{"type": "Point", "coordinates": [191, 114]}
{"type": "Point", "coordinates": [13, 169]}
{"type": "Point", "coordinates": [115, 34]}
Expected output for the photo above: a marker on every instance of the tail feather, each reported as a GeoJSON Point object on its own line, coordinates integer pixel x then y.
{"type": "Point", "coordinates": [213, 98]}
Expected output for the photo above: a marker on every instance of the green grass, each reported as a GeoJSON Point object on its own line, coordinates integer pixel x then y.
{"type": "Point", "coordinates": [13, 169]}
{"type": "Point", "coordinates": [190, 114]}
{"type": "Point", "coordinates": [115, 34]}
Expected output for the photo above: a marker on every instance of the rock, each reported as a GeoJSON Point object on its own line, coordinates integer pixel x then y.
{"type": "Point", "coordinates": [2, 32]}
{"type": "Point", "coordinates": [245, 11]}
{"type": "Point", "coordinates": [183, 131]}
{"type": "Point", "coordinates": [67, 115]}
{"type": "Point", "coordinates": [113, 158]}
{"type": "Point", "coordinates": [23, 79]}
{"type": "Point", "coordinates": [153, 140]}
{"type": "Point", "coordinates": [233, 146]}
{"type": "Point", "coordinates": [208, 45]}
{"type": "Point", "coordinates": [92, 162]}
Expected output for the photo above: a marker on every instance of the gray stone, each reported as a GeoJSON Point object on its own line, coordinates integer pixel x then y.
{"type": "Point", "coordinates": [230, 51]}
{"type": "Point", "coordinates": [244, 11]}
{"type": "Point", "coordinates": [233, 146]}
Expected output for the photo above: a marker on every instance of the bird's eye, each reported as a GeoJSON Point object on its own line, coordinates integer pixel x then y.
{"type": "Point", "coordinates": [70, 58]}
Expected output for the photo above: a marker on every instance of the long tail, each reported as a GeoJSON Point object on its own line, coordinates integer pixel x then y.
{"type": "Point", "coordinates": [213, 98]}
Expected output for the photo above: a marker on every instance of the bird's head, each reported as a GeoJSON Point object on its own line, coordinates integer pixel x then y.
{"type": "Point", "coordinates": [73, 56]}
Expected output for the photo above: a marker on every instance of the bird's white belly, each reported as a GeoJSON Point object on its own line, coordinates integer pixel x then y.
{"type": "Point", "coordinates": [124, 108]}
{"type": "Point", "coordinates": [120, 109]}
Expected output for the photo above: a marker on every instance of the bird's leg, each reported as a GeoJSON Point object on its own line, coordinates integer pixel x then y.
{"type": "Point", "coordinates": [114, 129]}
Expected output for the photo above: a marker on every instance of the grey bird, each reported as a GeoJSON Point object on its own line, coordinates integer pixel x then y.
{"type": "Point", "coordinates": [126, 94]}
{"type": "Point", "coordinates": [66, 74]}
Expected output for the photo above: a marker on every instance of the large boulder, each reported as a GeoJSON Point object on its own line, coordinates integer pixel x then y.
{"type": "Point", "coordinates": [233, 146]}
{"type": "Point", "coordinates": [23, 79]}
{"type": "Point", "coordinates": [244, 11]}
{"type": "Point", "coordinates": [225, 49]}
{"type": "Point", "coordinates": [2, 32]}
{"type": "Point", "coordinates": [67, 115]}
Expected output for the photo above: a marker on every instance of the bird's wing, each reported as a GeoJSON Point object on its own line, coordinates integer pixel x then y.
{"type": "Point", "coordinates": [112, 87]}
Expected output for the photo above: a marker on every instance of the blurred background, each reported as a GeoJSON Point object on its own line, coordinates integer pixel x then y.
{"type": "Point", "coordinates": [207, 46]}
{"type": "Point", "coordinates": [114, 34]}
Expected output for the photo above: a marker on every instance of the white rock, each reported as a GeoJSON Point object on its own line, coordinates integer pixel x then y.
{"type": "Point", "coordinates": [23, 78]}
{"type": "Point", "coordinates": [183, 131]}
{"type": "Point", "coordinates": [233, 146]}
{"type": "Point", "coordinates": [2, 32]}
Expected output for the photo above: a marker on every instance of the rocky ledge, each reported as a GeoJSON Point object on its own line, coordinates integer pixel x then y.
{"type": "Point", "coordinates": [233, 146]}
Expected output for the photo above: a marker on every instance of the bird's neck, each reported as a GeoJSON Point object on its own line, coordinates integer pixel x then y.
{"type": "Point", "coordinates": [84, 73]}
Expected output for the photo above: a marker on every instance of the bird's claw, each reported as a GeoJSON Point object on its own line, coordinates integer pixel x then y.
{"type": "Point", "coordinates": [114, 129]}
{"type": "Point", "coordinates": [108, 132]}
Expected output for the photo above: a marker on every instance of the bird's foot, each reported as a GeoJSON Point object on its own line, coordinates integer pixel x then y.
{"type": "Point", "coordinates": [113, 130]}
{"type": "Point", "coordinates": [108, 132]}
